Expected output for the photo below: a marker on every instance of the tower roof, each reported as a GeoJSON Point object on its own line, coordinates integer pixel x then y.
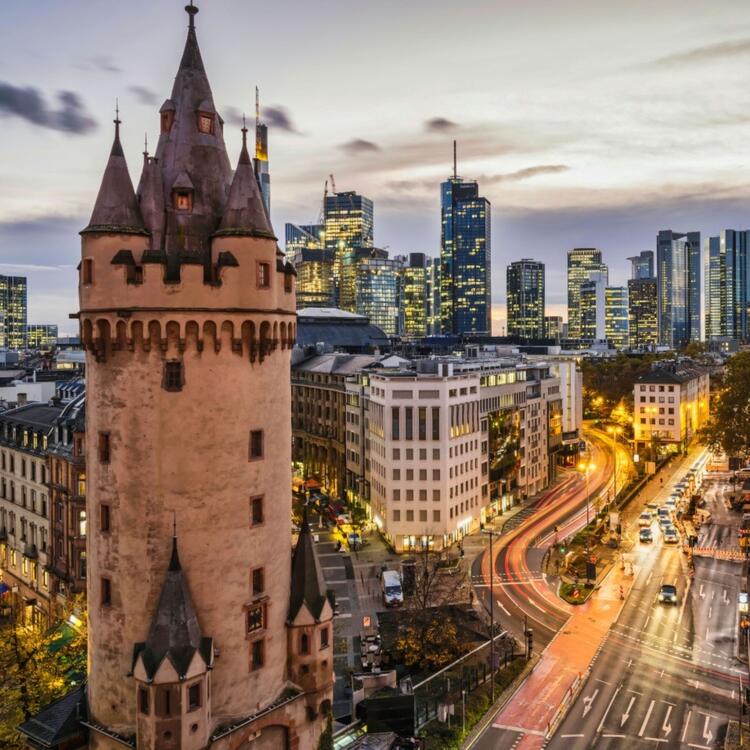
{"type": "Point", "coordinates": [116, 208]}
{"type": "Point", "coordinates": [308, 585]}
{"type": "Point", "coordinates": [245, 213]}
{"type": "Point", "coordinates": [174, 628]}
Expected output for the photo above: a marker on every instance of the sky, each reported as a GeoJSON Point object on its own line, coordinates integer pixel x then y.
{"type": "Point", "coordinates": [589, 123]}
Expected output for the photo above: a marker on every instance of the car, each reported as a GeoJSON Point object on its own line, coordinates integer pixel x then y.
{"type": "Point", "coordinates": [670, 535]}
{"type": "Point", "coordinates": [668, 593]}
{"type": "Point", "coordinates": [663, 512]}
{"type": "Point", "coordinates": [671, 502]}
{"type": "Point", "coordinates": [652, 508]}
{"type": "Point", "coordinates": [646, 535]}
{"type": "Point", "coordinates": [665, 523]}
{"type": "Point", "coordinates": [644, 519]}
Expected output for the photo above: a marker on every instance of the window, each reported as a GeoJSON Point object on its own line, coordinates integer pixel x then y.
{"type": "Point", "coordinates": [167, 118]}
{"type": "Point", "coordinates": [104, 452]}
{"type": "Point", "coordinates": [87, 271]}
{"type": "Point", "coordinates": [256, 618]}
{"type": "Point", "coordinates": [423, 515]}
{"type": "Point", "coordinates": [82, 523]}
{"type": "Point", "coordinates": [106, 592]}
{"type": "Point", "coordinates": [258, 582]}
{"type": "Point", "coordinates": [436, 495]}
{"type": "Point", "coordinates": [422, 422]}
{"type": "Point", "coordinates": [256, 511]}
{"type": "Point", "coordinates": [194, 697]}
{"type": "Point", "coordinates": [396, 516]}
{"type": "Point", "coordinates": [257, 654]}
{"type": "Point", "coordinates": [256, 444]}
{"type": "Point", "coordinates": [435, 423]}
{"type": "Point", "coordinates": [173, 376]}
{"type": "Point", "coordinates": [104, 519]}
{"type": "Point", "coordinates": [396, 474]}
{"type": "Point", "coordinates": [304, 643]}
{"type": "Point", "coordinates": [205, 123]}
{"type": "Point", "coordinates": [82, 566]}
{"type": "Point", "coordinates": [287, 282]}
{"type": "Point", "coordinates": [324, 638]}
{"type": "Point", "coordinates": [395, 435]}
{"type": "Point", "coordinates": [143, 702]}
{"type": "Point", "coordinates": [436, 516]}
{"type": "Point", "coordinates": [183, 200]}
{"type": "Point", "coordinates": [436, 474]}
{"type": "Point", "coordinates": [409, 432]}
{"type": "Point", "coordinates": [409, 515]}
{"type": "Point", "coordinates": [423, 475]}
{"type": "Point", "coordinates": [165, 698]}
{"type": "Point", "coordinates": [264, 275]}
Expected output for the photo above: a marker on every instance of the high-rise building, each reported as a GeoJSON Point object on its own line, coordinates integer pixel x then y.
{"type": "Point", "coordinates": [642, 265]}
{"type": "Point", "coordinates": [41, 336]}
{"type": "Point", "coordinates": [261, 156]}
{"type": "Point", "coordinates": [581, 262]}
{"type": "Point", "coordinates": [726, 285]}
{"type": "Point", "coordinates": [302, 236]}
{"type": "Point", "coordinates": [525, 299]}
{"type": "Point", "coordinates": [378, 291]}
{"type": "Point", "coordinates": [162, 532]}
{"type": "Point", "coordinates": [616, 324]}
{"type": "Point", "coordinates": [434, 323]}
{"type": "Point", "coordinates": [13, 312]}
{"type": "Point", "coordinates": [678, 272]}
{"type": "Point", "coordinates": [312, 263]}
{"type": "Point", "coordinates": [348, 219]}
{"type": "Point", "coordinates": [643, 329]}
{"type": "Point", "coordinates": [349, 274]}
{"type": "Point", "coordinates": [414, 295]}
{"type": "Point", "coordinates": [465, 258]}
{"type": "Point", "coordinates": [592, 306]}
{"type": "Point", "coordinates": [553, 327]}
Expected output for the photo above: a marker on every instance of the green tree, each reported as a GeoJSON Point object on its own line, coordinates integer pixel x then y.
{"type": "Point", "coordinates": [38, 664]}
{"type": "Point", "coordinates": [326, 738]}
{"type": "Point", "coordinates": [728, 426]}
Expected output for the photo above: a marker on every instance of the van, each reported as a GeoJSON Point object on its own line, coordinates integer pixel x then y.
{"type": "Point", "coordinates": [393, 595]}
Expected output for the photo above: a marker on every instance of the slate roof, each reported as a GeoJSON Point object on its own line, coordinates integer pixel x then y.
{"type": "Point", "coordinates": [308, 585]}
{"type": "Point", "coordinates": [339, 330]}
{"type": "Point", "coordinates": [37, 415]}
{"type": "Point", "coordinates": [339, 364]}
{"type": "Point", "coordinates": [58, 721]}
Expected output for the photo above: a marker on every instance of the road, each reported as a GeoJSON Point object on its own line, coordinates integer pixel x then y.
{"type": "Point", "coordinates": [666, 674]}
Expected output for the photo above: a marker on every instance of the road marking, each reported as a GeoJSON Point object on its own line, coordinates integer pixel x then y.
{"type": "Point", "coordinates": [666, 727]}
{"type": "Point", "coordinates": [574, 735]}
{"type": "Point", "coordinates": [654, 739]}
{"type": "Point", "coordinates": [626, 715]}
{"type": "Point", "coordinates": [708, 735]}
{"type": "Point", "coordinates": [706, 638]}
{"type": "Point", "coordinates": [645, 624]}
{"type": "Point", "coordinates": [614, 695]}
{"type": "Point", "coordinates": [617, 736]}
{"type": "Point", "coordinates": [700, 593]}
{"type": "Point", "coordinates": [588, 700]}
{"type": "Point", "coordinates": [645, 721]}
{"type": "Point", "coordinates": [710, 612]}
{"type": "Point", "coordinates": [604, 682]}
{"type": "Point", "coordinates": [726, 598]}
{"type": "Point", "coordinates": [503, 608]}
{"type": "Point", "coordinates": [713, 594]}
{"type": "Point", "coordinates": [650, 576]}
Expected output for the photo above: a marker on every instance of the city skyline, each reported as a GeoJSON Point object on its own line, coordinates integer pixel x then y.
{"type": "Point", "coordinates": [548, 182]}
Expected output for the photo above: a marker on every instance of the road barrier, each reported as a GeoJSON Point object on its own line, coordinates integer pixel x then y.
{"type": "Point", "coordinates": [562, 709]}
{"type": "Point", "coordinates": [734, 555]}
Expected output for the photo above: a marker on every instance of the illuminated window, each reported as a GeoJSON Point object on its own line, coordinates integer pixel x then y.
{"type": "Point", "coordinates": [82, 523]}
{"type": "Point", "coordinates": [256, 618]}
{"type": "Point", "coordinates": [183, 200]}
{"type": "Point", "coordinates": [205, 123]}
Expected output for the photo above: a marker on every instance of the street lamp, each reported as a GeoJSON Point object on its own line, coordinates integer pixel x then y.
{"type": "Point", "coordinates": [586, 467]}
{"type": "Point", "coordinates": [492, 534]}
{"type": "Point", "coordinates": [614, 431]}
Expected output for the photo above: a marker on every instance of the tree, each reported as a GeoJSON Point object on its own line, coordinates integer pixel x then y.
{"type": "Point", "coordinates": [326, 738]}
{"type": "Point", "coordinates": [38, 664]}
{"type": "Point", "coordinates": [728, 426]}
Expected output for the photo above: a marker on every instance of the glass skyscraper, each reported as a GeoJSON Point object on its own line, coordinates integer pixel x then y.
{"type": "Point", "coordinates": [313, 264]}
{"type": "Point", "coordinates": [414, 295]}
{"type": "Point", "coordinates": [525, 299]}
{"type": "Point", "coordinates": [297, 237]}
{"type": "Point", "coordinates": [378, 291]}
{"type": "Point", "coordinates": [434, 323]}
{"type": "Point", "coordinates": [582, 261]}
{"type": "Point", "coordinates": [642, 266]}
{"type": "Point", "coordinates": [616, 323]}
{"type": "Point", "coordinates": [465, 265]}
{"type": "Point", "coordinates": [642, 313]}
{"type": "Point", "coordinates": [592, 306]}
{"type": "Point", "coordinates": [13, 312]}
{"type": "Point", "coordinates": [726, 285]}
{"type": "Point", "coordinates": [41, 336]}
{"type": "Point", "coordinates": [678, 271]}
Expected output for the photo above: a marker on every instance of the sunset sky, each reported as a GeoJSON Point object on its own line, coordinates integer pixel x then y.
{"type": "Point", "coordinates": [586, 123]}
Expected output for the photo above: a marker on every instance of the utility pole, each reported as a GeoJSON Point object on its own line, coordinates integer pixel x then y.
{"type": "Point", "coordinates": [491, 534]}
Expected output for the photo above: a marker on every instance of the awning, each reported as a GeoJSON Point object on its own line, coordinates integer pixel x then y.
{"type": "Point", "coordinates": [312, 484]}
{"type": "Point", "coordinates": [4, 588]}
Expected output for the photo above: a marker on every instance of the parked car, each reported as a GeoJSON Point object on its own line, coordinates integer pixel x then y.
{"type": "Point", "coordinates": [646, 535]}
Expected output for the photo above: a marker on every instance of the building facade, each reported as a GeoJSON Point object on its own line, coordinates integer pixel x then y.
{"type": "Point", "coordinates": [592, 308]}
{"type": "Point", "coordinates": [415, 291]}
{"type": "Point", "coordinates": [525, 299]}
{"type": "Point", "coordinates": [315, 286]}
{"type": "Point", "coordinates": [643, 328]}
{"type": "Point", "coordinates": [582, 261]}
{"type": "Point", "coordinates": [302, 237]}
{"type": "Point", "coordinates": [642, 265]}
{"type": "Point", "coordinates": [378, 292]}
{"type": "Point", "coordinates": [616, 321]}
{"type": "Point", "coordinates": [726, 286]}
{"type": "Point", "coordinates": [678, 273]}
{"type": "Point", "coordinates": [13, 312]}
{"type": "Point", "coordinates": [260, 162]}
{"type": "Point", "coordinates": [465, 258]}
{"type": "Point", "coordinates": [41, 336]}
{"type": "Point", "coordinates": [434, 322]}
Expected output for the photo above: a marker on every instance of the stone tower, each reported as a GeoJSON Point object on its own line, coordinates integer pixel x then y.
{"type": "Point", "coordinates": [187, 316]}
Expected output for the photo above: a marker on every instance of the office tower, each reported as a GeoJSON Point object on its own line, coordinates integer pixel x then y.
{"type": "Point", "coordinates": [414, 295]}
{"type": "Point", "coordinates": [592, 305]}
{"type": "Point", "coordinates": [726, 285]}
{"type": "Point", "coordinates": [642, 266]}
{"type": "Point", "coordinates": [299, 236]}
{"type": "Point", "coordinates": [312, 263]}
{"type": "Point", "coordinates": [348, 220]}
{"type": "Point", "coordinates": [434, 323]}
{"type": "Point", "coordinates": [260, 162]}
{"type": "Point", "coordinates": [525, 299]}
{"type": "Point", "coordinates": [581, 262]}
{"type": "Point", "coordinates": [349, 274]}
{"type": "Point", "coordinates": [616, 324]}
{"type": "Point", "coordinates": [553, 327]}
{"type": "Point", "coordinates": [198, 613]}
{"type": "Point", "coordinates": [678, 272]}
{"type": "Point", "coordinates": [643, 329]}
{"type": "Point", "coordinates": [378, 287]}
{"type": "Point", "coordinates": [41, 336]}
{"type": "Point", "coordinates": [13, 312]}
{"type": "Point", "coordinates": [465, 257]}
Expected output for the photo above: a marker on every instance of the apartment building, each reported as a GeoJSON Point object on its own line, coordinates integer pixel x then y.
{"type": "Point", "coordinates": [670, 405]}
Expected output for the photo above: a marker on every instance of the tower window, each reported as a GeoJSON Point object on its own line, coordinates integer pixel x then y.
{"type": "Point", "coordinates": [104, 451]}
{"type": "Point", "coordinates": [256, 618]}
{"type": "Point", "coordinates": [304, 643]}
{"type": "Point", "coordinates": [106, 592]}
{"type": "Point", "coordinates": [167, 118]}
{"type": "Point", "coordinates": [256, 444]}
{"type": "Point", "coordinates": [256, 511]}
{"type": "Point", "coordinates": [194, 697]}
{"type": "Point", "coordinates": [173, 376]}
{"type": "Point", "coordinates": [324, 638]}
{"type": "Point", "coordinates": [206, 123]}
{"type": "Point", "coordinates": [257, 654]}
{"type": "Point", "coordinates": [258, 581]}
{"type": "Point", "coordinates": [264, 275]}
{"type": "Point", "coordinates": [143, 702]}
{"type": "Point", "coordinates": [87, 271]}
{"type": "Point", "coordinates": [287, 282]}
{"type": "Point", "coordinates": [104, 518]}
{"type": "Point", "coordinates": [183, 200]}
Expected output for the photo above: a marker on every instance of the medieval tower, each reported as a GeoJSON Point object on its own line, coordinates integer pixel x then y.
{"type": "Point", "coordinates": [204, 631]}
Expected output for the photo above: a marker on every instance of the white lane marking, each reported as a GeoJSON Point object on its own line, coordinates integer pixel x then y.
{"type": "Point", "coordinates": [713, 594]}
{"type": "Point", "coordinates": [626, 715]}
{"type": "Point", "coordinates": [710, 612]}
{"type": "Point", "coordinates": [726, 598]}
{"type": "Point", "coordinates": [645, 624]}
{"type": "Point", "coordinates": [616, 736]}
{"type": "Point", "coordinates": [706, 632]}
{"type": "Point", "coordinates": [572, 735]}
{"type": "Point", "coordinates": [687, 724]}
{"type": "Point", "coordinates": [588, 700]}
{"type": "Point", "coordinates": [666, 727]}
{"type": "Point", "coordinates": [614, 695]}
{"type": "Point", "coordinates": [700, 593]}
{"type": "Point", "coordinates": [645, 721]}
{"type": "Point", "coordinates": [708, 735]}
{"type": "Point", "coordinates": [499, 604]}
{"type": "Point", "coordinates": [650, 576]}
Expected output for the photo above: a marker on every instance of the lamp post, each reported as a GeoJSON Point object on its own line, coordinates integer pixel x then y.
{"type": "Point", "coordinates": [587, 467]}
{"type": "Point", "coordinates": [491, 534]}
{"type": "Point", "coordinates": [614, 431]}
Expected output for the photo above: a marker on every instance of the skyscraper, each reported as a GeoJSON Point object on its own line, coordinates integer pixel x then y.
{"type": "Point", "coordinates": [348, 221]}
{"type": "Point", "coordinates": [616, 324]}
{"type": "Point", "coordinates": [678, 271]}
{"type": "Point", "coordinates": [643, 329]}
{"type": "Point", "coordinates": [200, 620]}
{"type": "Point", "coordinates": [553, 327]}
{"type": "Point", "coordinates": [261, 156]}
{"type": "Point", "coordinates": [349, 274]}
{"type": "Point", "coordinates": [726, 285]}
{"type": "Point", "coordinates": [642, 266]}
{"type": "Point", "coordinates": [378, 289]}
{"type": "Point", "coordinates": [13, 312]}
{"type": "Point", "coordinates": [313, 264]}
{"type": "Point", "coordinates": [414, 295]}
{"type": "Point", "coordinates": [592, 305]}
{"type": "Point", "coordinates": [581, 262]}
{"type": "Point", "coordinates": [434, 323]}
{"type": "Point", "coordinates": [465, 257]}
{"type": "Point", "coordinates": [525, 299]}
{"type": "Point", "coordinates": [299, 236]}
{"type": "Point", "coordinates": [41, 336]}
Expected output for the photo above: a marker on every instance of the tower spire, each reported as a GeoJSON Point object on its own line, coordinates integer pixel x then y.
{"type": "Point", "coordinates": [257, 108]}
{"type": "Point", "coordinates": [455, 171]}
{"type": "Point", "coordinates": [192, 11]}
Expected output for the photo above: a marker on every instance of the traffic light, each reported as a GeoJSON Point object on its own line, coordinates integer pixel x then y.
{"type": "Point", "coordinates": [529, 633]}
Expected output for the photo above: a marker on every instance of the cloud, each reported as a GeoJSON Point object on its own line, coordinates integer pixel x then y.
{"type": "Point", "coordinates": [29, 104]}
{"type": "Point", "coordinates": [440, 125]}
{"type": "Point", "coordinates": [709, 53]}
{"type": "Point", "coordinates": [232, 116]}
{"type": "Point", "coordinates": [359, 146]}
{"type": "Point", "coordinates": [100, 63]}
{"type": "Point", "coordinates": [278, 118]}
{"type": "Point", "coordinates": [143, 94]}
{"type": "Point", "coordinates": [524, 174]}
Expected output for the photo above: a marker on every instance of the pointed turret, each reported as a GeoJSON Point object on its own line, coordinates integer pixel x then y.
{"type": "Point", "coordinates": [245, 214]}
{"type": "Point", "coordinates": [151, 199]}
{"type": "Point", "coordinates": [116, 209]}
{"type": "Point", "coordinates": [191, 148]}
{"type": "Point", "coordinates": [308, 585]}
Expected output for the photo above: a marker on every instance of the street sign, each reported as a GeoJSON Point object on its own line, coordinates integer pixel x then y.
{"type": "Point", "coordinates": [744, 601]}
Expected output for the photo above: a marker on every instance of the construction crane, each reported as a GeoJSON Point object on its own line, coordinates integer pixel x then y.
{"type": "Point", "coordinates": [333, 184]}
